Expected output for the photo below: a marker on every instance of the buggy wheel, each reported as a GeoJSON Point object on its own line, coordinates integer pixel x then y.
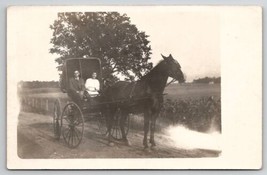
{"type": "Point", "coordinates": [116, 131]}
{"type": "Point", "coordinates": [56, 119]}
{"type": "Point", "coordinates": [72, 125]}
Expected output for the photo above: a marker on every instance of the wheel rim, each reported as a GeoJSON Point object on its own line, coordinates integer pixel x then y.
{"type": "Point", "coordinates": [72, 123]}
{"type": "Point", "coordinates": [56, 120]}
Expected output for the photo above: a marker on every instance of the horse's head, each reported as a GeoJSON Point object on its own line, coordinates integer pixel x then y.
{"type": "Point", "coordinates": [174, 68]}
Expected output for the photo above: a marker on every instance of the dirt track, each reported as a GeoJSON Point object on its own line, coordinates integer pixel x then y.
{"type": "Point", "coordinates": [36, 140]}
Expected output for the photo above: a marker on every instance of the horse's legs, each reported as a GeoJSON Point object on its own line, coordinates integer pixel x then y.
{"type": "Point", "coordinates": [146, 128]}
{"type": "Point", "coordinates": [152, 129]}
{"type": "Point", "coordinates": [110, 121]}
{"type": "Point", "coordinates": [121, 123]}
{"type": "Point", "coordinates": [123, 117]}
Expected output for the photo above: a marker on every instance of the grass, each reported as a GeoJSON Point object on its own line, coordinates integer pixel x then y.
{"type": "Point", "coordinates": [41, 90]}
{"type": "Point", "coordinates": [173, 91]}
{"type": "Point", "coordinates": [191, 94]}
{"type": "Point", "coordinates": [183, 91]}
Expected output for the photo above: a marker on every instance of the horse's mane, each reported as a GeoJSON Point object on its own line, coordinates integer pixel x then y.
{"type": "Point", "coordinates": [153, 71]}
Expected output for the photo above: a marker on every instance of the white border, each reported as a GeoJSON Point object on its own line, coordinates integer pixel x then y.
{"type": "Point", "coordinates": [241, 61]}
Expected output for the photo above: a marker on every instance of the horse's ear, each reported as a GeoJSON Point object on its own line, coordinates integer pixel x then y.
{"type": "Point", "coordinates": [170, 56]}
{"type": "Point", "coordinates": [163, 57]}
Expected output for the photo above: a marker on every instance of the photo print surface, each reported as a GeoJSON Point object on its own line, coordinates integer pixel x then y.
{"type": "Point", "coordinates": [122, 83]}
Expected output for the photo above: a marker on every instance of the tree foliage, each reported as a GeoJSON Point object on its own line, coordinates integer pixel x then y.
{"type": "Point", "coordinates": [208, 80]}
{"type": "Point", "coordinates": [110, 36]}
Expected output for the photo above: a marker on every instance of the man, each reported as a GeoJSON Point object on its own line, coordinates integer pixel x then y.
{"type": "Point", "coordinates": [92, 86]}
{"type": "Point", "coordinates": [76, 88]}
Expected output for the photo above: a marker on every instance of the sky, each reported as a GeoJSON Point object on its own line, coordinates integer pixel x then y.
{"type": "Point", "coordinates": [192, 37]}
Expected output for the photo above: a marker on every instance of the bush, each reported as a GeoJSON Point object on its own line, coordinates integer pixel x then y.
{"type": "Point", "coordinates": [198, 114]}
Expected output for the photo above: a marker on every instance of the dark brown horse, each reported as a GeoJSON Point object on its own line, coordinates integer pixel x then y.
{"type": "Point", "coordinates": [143, 96]}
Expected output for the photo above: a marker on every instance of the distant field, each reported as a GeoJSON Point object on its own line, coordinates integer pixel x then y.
{"type": "Point", "coordinates": [173, 91]}
{"type": "Point", "coordinates": [186, 104]}
{"type": "Point", "coordinates": [40, 90]}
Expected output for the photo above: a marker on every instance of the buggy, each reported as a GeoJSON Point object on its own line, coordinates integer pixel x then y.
{"type": "Point", "coordinates": [69, 117]}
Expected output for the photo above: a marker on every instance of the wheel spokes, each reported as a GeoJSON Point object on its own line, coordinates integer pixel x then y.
{"type": "Point", "coordinates": [116, 129]}
{"type": "Point", "coordinates": [73, 124]}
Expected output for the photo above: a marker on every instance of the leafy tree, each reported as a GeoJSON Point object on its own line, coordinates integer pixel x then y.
{"type": "Point", "coordinates": [208, 80]}
{"type": "Point", "coordinates": [122, 48]}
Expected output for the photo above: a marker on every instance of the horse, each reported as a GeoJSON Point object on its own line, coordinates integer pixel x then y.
{"type": "Point", "coordinates": [143, 96]}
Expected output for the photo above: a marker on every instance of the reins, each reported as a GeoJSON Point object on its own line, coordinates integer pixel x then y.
{"type": "Point", "coordinates": [172, 81]}
{"type": "Point", "coordinates": [133, 88]}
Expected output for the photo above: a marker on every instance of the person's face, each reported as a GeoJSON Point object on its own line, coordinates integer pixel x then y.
{"type": "Point", "coordinates": [94, 75]}
{"type": "Point", "coordinates": [76, 73]}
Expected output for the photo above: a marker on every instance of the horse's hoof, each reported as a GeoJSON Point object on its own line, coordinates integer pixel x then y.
{"type": "Point", "coordinates": [110, 144]}
{"type": "Point", "coordinates": [153, 148]}
{"type": "Point", "coordinates": [128, 143]}
{"type": "Point", "coordinates": [146, 149]}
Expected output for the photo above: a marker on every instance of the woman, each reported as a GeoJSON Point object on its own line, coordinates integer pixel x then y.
{"type": "Point", "coordinates": [92, 86]}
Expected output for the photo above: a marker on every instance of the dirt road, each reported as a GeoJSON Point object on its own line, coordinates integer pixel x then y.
{"type": "Point", "coordinates": [36, 140]}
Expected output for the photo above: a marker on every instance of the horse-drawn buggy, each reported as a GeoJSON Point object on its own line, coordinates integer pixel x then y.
{"type": "Point", "coordinates": [114, 104]}
{"type": "Point", "coordinates": [70, 114]}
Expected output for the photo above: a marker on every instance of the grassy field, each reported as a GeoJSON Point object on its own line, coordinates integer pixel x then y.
{"type": "Point", "coordinates": [184, 103]}
{"type": "Point", "coordinates": [173, 91]}
{"type": "Point", "coordinates": [183, 91]}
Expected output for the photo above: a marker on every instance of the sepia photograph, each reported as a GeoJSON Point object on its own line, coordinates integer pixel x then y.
{"type": "Point", "coordinates": [124, 84]}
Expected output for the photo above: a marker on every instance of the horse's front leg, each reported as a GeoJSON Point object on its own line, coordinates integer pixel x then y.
{"type": "Point", "coordinates": [152, 129]}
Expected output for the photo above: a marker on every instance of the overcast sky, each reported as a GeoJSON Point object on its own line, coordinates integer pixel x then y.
{"type": "Point", "coordinates": [193, 38]}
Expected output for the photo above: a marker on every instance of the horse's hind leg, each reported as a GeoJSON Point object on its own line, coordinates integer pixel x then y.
{"type": "Point", "coordinates": [152, 130]}
{"type": "Point", "coordinates": [110, 121]}
{"type": "Point", "coordinates": [123, 118]}
{"type": "Point", "coordinates": [146, 128]}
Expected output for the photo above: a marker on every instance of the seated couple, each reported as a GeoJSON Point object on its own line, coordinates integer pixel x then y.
{"type": "Point", "coordinates": [78, 89]}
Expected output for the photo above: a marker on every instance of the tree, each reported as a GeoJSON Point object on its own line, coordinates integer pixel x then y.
{"type": "Point", "coordinates": [122, 48]}
{"type": "Point", "coordinates": [208, 80]}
